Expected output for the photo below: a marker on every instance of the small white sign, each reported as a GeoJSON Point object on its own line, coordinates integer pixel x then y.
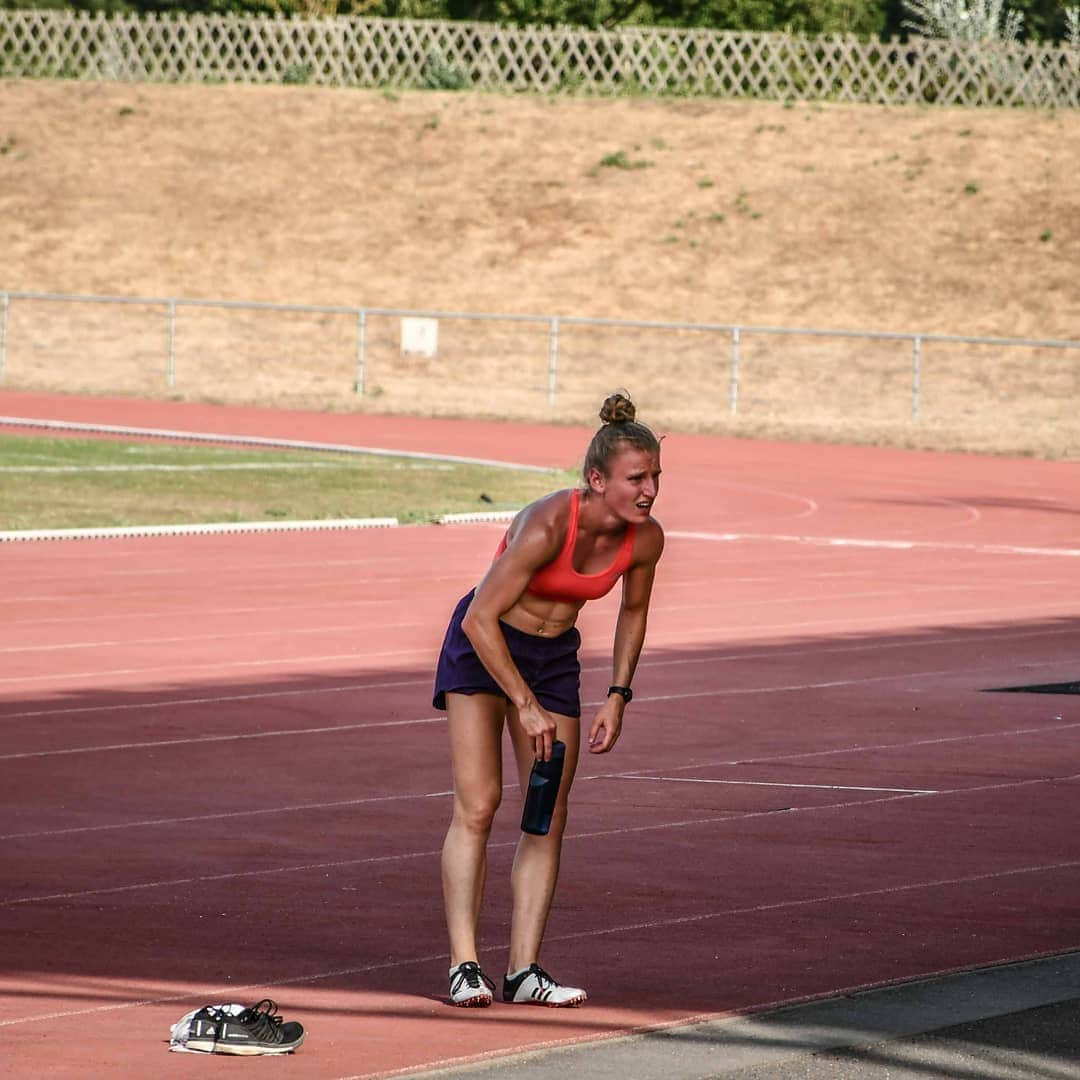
{"type": "Point", "coordinates": [419, 336]}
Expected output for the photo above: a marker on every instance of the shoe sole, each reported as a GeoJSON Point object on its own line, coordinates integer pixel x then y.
{"type": "Point", "coordinates": [234, 1050]}
{"type": "Point", "coordinates": [573, 1003]}
{"type": "Point", "coordinates": [478, 1002]}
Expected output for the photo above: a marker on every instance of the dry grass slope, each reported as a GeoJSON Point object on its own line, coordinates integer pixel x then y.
{"type": "Point", "coordinates": [859, 217]}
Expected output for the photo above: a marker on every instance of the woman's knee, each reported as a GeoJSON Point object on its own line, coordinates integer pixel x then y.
{"type": "Point", "coordinates": [476, 811]}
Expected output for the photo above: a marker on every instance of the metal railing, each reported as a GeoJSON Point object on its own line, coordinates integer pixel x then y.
{"type": "Point", "coordinates": [733, 333]}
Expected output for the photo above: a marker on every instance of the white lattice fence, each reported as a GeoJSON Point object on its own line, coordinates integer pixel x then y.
{"type": "Point", "coordinates": [382, 52]}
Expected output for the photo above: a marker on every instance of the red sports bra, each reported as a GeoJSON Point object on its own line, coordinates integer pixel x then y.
{"type": "Point", "coordinates": [558, 580]}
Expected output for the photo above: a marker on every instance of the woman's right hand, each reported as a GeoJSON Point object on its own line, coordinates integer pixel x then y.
{"type": "Point", "coordinates": [540, 726]}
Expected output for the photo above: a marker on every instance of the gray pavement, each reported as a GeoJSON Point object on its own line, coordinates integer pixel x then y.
{"type": "Point", "coordinates": [1013, 1022]}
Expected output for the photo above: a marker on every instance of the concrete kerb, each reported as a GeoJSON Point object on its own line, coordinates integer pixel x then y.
{"type": "Point", "coordinates": [762, 1044]}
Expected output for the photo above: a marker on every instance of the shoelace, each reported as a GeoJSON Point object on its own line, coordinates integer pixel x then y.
{"type": "Point", "coordinates": [263, 1022]}
{"type": "Point", "coordinates": [542, 977]}
{"type": "Point", "coordinates": [470, 974]}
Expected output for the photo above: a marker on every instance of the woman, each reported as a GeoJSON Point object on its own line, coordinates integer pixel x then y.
{"type": "Point", "coordinates": [511, 656]}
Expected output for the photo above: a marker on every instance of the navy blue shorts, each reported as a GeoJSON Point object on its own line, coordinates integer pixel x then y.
{"type": "Point", "coordinates": [549, 666]}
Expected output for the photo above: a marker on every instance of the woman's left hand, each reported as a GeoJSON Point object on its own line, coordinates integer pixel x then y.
{"type": "Point", "coordinates": [605, 729]}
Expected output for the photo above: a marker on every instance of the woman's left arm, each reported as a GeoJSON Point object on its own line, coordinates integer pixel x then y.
{"type": "Point", "coordinates": [629, 638]}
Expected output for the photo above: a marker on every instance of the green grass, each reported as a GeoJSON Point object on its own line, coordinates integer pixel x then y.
{"type": "Point", "coordinates": [48, 483]}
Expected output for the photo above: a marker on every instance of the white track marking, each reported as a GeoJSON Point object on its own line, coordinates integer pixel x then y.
{"type": "Point", "coordinates": [243, 636]}
{"type": "Point", "coordinates": [644, 698]}
{"type": "Point", "coordinates": [765, 652]}
{"type": "Point", "coordinates": [726, 605]}
{"type": "Point", "coordinates": [224, 665]}
{"type": "Point", "coordinates": [200, 613]}
{"type": "Point", "coordinates": [288, 585]}
{"type": "Point", "coordinates": [162, 703]}
{"type": "Point", "coordinates": [868, 748]}
{"type": "Point", "coordinates": [283, 733]}
{"type": "Point", "coordinates": [726, 819]}
{"type": "Point", "coordinates": [1066, 606]}
{"type": "Point", "coordinates": [791, 687]}
{"type": "Point", "coordinates": [220, 699]}
{"type": "Point", "coordinates": [211, 529]}
{"type": "Point", "coordinates": [832, 898]}
{"type": "Point", "coordinates": [234, 466]}
{"type": "Point", "coordinates": [887, 545]}
{"type": "Point", "coordinates": [658, 638]}
{"type": "Point", "coordinates": [258, 440]}
{"type": "Point", "coordinates": [222, 993]}
{"type": "Point", "coordinates": [297, 808]}
{"type": "Point", "coordinates": [810, 506]}
{"type": "Point", "coordinates": [769, 784]}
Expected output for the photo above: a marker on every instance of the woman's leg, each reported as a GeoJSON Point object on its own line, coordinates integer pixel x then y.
{"type": "Point", "coordinates": [536, 864]}
{"type": "Point", "coordinates": [475, 723]}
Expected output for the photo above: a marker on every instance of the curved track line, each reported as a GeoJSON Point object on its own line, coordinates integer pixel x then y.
{"type": "Point", "coordinates": [855, 542]}
{"type": "Point", "coordinates": [258, 440]}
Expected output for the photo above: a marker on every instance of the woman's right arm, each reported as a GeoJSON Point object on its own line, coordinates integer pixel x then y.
{"type": "Point", "coordinates": [536, 542]}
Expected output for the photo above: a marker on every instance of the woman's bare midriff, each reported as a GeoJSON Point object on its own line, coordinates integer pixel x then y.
{"type": "Point", "coordinates": [542, 618]}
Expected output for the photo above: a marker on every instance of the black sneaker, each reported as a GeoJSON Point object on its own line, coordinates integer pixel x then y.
{"type": "Point", "coordinates": [256, 1030]}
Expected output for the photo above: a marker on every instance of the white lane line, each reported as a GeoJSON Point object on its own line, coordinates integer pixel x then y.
{"type": "Point", "coordinates": [225, 665]}
{"type": "Point", "coordinates": [795, 687]}
{"type": "Point", "coordinates": [922, 620]}
{"type": "Point", "coordinates": [233, 466]}
{"type": "Point", "coordinates": [216, 576]}
{"type": "Point", "coordinates": [769, 784]}
{"type": "Point", "coordinates": [297, 808]}
{"type": "Point", "coordinates": [810, 506]}
{"type": "Point", "coordinates": [356, 687]}
{"type": "Point", "coordinates": [259, 440]}
{"type": "Point", "coordinates": [887, 545]}
{"type": "Point", "coordinates": [219, 699]}
{"type": "Point", "coordinates": [730, 603]}
{"type": "Point", "coordinates": [581, 779]}
{"type": "Point", "coordinates": [127, 643]}
{"type": "Point", "coordinates": [283, 733]}
{"type": "Point", "coordinates": [202, 613]}
{"type": "Point", "coordinates": [216, 528]}
{"type": "Point", "coordinates": [221, 993]}
{"type": "Point", "coordinates": [761, 653]}
{"type": "Point", "coordinates": [644, 698]}
{"type": "Point", "coordinates": [768, 652]}
{"type": "Point", "coordinates": [728, 819]}
{"type": "Point", "coordinates": [832, 898]}
{"type": "Point", "coordinates": [871, 747]}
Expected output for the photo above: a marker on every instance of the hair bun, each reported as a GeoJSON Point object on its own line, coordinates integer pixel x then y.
{"type": "Point", "coordinates": [617, 409]}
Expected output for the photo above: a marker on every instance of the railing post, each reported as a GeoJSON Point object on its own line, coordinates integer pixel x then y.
{"type": "Point", "coordinates": [916, 377]}
{"type": "Point", "coordinates": [170, 371]}
{"type": "Point", "coordinates": [361, 335]}
{"type": "Point", "coordinates": [734, 370]}
{"type": "Point", "coordinates": [553, 358]}
{"type": "Point", "coordinates": [3, 332]}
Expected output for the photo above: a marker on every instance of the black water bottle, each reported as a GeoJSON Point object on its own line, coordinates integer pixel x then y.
{"type": "Point", "coordinates": [543, 788]}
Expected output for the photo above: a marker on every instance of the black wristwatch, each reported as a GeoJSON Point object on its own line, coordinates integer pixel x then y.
{"type": "Point", "coordinates": [623, 691]}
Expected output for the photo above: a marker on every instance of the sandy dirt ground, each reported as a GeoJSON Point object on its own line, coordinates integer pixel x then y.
{"type": "Point", "coordinates": [829, 216]}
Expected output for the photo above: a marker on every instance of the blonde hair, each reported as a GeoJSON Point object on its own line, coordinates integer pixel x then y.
{"type": "Point", "coordinates": [618, 426]}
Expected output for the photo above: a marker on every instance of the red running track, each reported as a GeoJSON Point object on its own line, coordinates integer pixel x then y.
{"type": "Point", "coordinates": [222, 777]}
